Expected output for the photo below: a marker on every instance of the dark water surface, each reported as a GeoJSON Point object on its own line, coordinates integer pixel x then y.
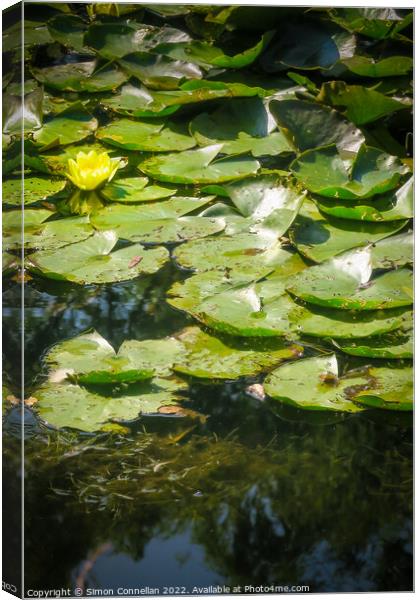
{"type": "Point", "coordinates": [246, 497]}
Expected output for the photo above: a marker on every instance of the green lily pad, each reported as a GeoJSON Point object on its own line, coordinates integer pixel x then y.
{"type": "Point", "coordinates": [320, 47]}
{"type": "Point", "coordinates": [139, 101]}
{"type": "Point", "coordinates": [135, 189]}
{"type": "Point", "coordinates": [397, 345]}
{"type": "Point", "coordinates": [395, 205]}
{"type": "Point", "coordinates": [161, 222]}
{"type": "Point", "coordinates": [320, 237]}
{"type": "Point", "coordinates": [237, 302]}
{"type": "Point", "coordinates": [35, 189]}
{"type": "Point", "coordinates": [327, 322]}
{"type": "Point", "coordinates": [68, 30]}
{"type": "Point", "coordinates": [377, 23]}
{"type": "Point", "coordinates": [206, 55]}
{"type": "Point", "coordinates": [346, 282]}
{"type": "Point", "coordinates": [311, 125]}
{"type": "Point", "coordinates": [198, 166]}
{"type": "Point", "coordinates": [158, 71]}
{"type": "Point", "coordinates": [35, 33]}
{"type": "Point", "coordinates": [313, 384]}
{"type": "Point", "coordinates": [245, 252]}
{"type": "Point", "coordinates": [187, 295]}
{"type": "Point", "coordinates": [71, 125]}
{"type": "Point", "coordinates": [38, 234]}
{"type": "Point", "coordinates": [392, 66]}
{"type": "Point", "coordinates": [211, 357]}
{"type": "Point", "coordinates": [91, 261]}
{"type": "Point", "coordinates": [81, 75]}
{"type": "Point", "coordinates": [146, 136]}
{"type": "Point", "coordinates": [114, 40]}
{"type": "Point", "coordinates": [362, 105]}
{"type": "Point", "coordinates": [241, 126]}
{"type": "Point", "coordinates": [89, 358]}
{"type": "Point", "coordinates": [87, 409]}
{"type": "Point", "coordinates": [397, 251]}
{"type": "Point", "coordinates": [391, 389]}
{"type": "Point", "coordinates": [324, 172]}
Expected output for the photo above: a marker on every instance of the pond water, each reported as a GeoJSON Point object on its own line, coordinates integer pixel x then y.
{"type": "Point", "coordinates": [250, 496]}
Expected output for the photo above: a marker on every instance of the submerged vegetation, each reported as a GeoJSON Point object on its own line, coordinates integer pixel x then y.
{"type": "Point", "coordinates": [218, 255]}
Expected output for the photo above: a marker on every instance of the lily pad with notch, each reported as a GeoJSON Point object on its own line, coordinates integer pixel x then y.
{"type": "Point", "coordinates": [158, 71]}
{"type": "Point", "coordinates": [314, 384]}
{"type": "Point", "coordinates": [89, 358]}
{"type": "Point", "coordinates": [349, 282]}
{"type": "Point", "coordinates": [371, 172]}
{"type": "Point", "coordinates": [92, 261]}
{"type": "Point", "coordinates": [198, 166]}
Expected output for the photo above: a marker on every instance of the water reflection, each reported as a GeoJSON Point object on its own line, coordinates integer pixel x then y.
{"type": "Point", "coordinates": [246, 497]}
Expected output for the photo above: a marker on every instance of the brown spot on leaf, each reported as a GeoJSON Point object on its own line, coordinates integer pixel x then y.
{"type": "Point", "coordinates": [134, 261]}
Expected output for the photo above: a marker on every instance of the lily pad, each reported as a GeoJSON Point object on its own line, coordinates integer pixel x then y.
{"type": "Point", "coordinates": [207, 55]}
{"type": "Point", "coordinates": [324, 172]}
{"type": "Point", "coordinates": [198, 166]}
{"type": "Point", "coordinates": [395, 205]}
{"type": "Point", "coordinates": [313, 384]}
{"type": "Point", "coordinates": [211, 357]}
{"type": "Point", "coordinates": [139, 101]}
{"type": "Point", "coordinates": [241, 126]}
{"type": "Point", "coordinates": [135, 189]}
{"type": "Point", "coordinates": [81, 75]}
{"type": "Point", "coordinates": [398, 344]}
{"type": "Point", "coordinates": [320, 237]}
{"type": "Point", "coordinates": [161, 222]}
{"type": "Point", "coordinates": [377, 23]}
{"type": "Point", "coordinates": [391, 389]}
{"type": "Point", "coordinates": [146, 136]}
{"type": "Point", "coordinates": [367, 66]}
{"type": "Point", "coordinates": [68, 30]}
{"type": "Point", "coordinates": [327, 322]}
{"type": "Point", "coordinates": [40, 234]}
{"type": "Point", "coordinates": [319, 47]}
{"type": "Point", "coordinates": [158, 71]}
{"type": "Point", "coordinates": [113, 40]}
{"type": "Point", "coordinates": [247, 253]}
{"type": "Point", "coordinates": [362, 105]}
{"type": "Point", "coordinates": [89, 358]}
{"type": "Point", "coordinates": [91, 261]}
{"type": "Point", "coordinates": [35, 189]}
{"type": "Point", "coordinates": [347, 282]}
{"type": "Point", "coordinates": [311, 125]}
{"type": "Point", "coordinates": [397, 251]}
{"type": "Point", "coordinates": [87, 409]}
{"type": "Point", "coordinates": [71, 125]}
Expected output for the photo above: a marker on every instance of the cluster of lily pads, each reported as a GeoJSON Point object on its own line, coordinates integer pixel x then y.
{"type": "Point", "coordinates": [265, 157]}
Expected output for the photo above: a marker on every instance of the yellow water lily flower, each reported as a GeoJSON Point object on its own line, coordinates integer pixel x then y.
{"type": "Point", "coordinates": [91, 169]}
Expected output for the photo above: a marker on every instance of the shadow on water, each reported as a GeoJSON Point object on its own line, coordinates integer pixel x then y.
{"type": "Point", "coordinates": [246, 497]}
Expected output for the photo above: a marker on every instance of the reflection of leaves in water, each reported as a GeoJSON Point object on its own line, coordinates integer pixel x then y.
{"type": "Point", "coordinates": [278, 512]}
